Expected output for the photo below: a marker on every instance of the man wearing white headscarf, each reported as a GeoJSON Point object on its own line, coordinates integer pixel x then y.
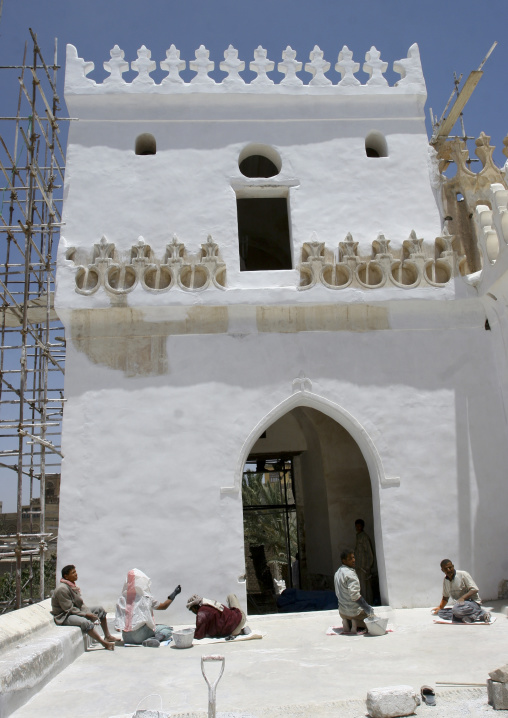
{"type": "Point", "coordinates": [134, 611]}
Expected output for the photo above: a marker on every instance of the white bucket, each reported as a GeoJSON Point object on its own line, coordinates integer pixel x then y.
{"type": "Point", "coordinates": [183, 638]}
{"type": "Point", "coordinates": [376, 626]}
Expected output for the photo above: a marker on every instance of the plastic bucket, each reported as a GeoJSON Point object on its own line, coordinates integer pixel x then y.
{"type": "Point", "coordinates": [376, 626]}
{"type": "Point", "coordinates": [183, 638]}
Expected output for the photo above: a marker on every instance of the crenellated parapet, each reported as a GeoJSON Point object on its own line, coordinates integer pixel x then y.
{"type": "Point", "coordinates": [413, 265]}
{"type": "Point", "coordinates": [312, 77]}
{"type": "Point", "coordinates": [120, 273]}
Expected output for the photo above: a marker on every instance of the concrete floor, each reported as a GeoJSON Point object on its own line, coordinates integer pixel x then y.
{"type": "Point", "coordinates": [294, 670]}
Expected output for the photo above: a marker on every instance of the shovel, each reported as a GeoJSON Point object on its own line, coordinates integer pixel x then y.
{"type": "Point", "coordinates": [212, 687]}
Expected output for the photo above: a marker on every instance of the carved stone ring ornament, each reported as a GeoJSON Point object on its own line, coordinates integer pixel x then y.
{"type": "Point", "coordinates": [414, 265]}
{"type": "Point", "coordinates": [190, 273]}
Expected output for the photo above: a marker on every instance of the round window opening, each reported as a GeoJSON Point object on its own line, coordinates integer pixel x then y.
{"type": "Point", "coordinates": [257, 160]}
{"type": "Point", "coordinates": [145, 144]}
{"type": "Point", "coordinates": [376, 145]}
{"type": "Point", "coordinates": [258, 166]}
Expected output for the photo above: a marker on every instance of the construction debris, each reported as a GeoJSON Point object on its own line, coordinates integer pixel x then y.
{"type": "Point", "coordinates": [392, 702]}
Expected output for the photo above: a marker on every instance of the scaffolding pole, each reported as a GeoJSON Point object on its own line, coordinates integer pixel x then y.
{"type": "Point", "coordinates": [32, 343]}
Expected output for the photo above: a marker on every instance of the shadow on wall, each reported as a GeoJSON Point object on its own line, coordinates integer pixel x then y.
{"type": "Point", "coordinates": [482, 493]}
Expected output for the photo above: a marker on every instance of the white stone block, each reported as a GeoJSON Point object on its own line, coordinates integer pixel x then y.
{"type": "Point", "coordinates": [392, 701]}
{"type": "Point", "coordinates": [497, 695]}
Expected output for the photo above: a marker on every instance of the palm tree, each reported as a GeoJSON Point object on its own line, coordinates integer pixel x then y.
{"type": "Point", "coordinates": [267, 526]}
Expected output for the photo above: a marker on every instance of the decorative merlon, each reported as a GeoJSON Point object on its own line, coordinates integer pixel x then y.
{"type": "Point", "coordinates": [144, 66]}
{"type": "Point", "coordinates": [233, 66]}
{"type": "Point", "coordinates": [121, 275]}
{"type": "Point", "coordinates": [375, 68]}
{"type": "Point", "coordinates": [289, 67]}
{"type": "Point", "coordinates": [202, 65]}
{"type": "Point", "coordinates": [410, 68]}
{"type": "Point", "coordinates": [173, 65]}
{"type": "Point", "coordinates": [318, 67]}
{"type": "Point", "coordinates": [77, 81]}
{"type": "Point", "coordinates": [347, 68]}
{"type": "Point", "coordinates": [116, 66]}
{"type": "Point", "coordinates": [262, 66]}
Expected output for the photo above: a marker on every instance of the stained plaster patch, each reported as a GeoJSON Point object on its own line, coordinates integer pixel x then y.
{"type": "Point", "coordinates": [331, 317]}
{"type": "Point", "coordinates": [121, 338]}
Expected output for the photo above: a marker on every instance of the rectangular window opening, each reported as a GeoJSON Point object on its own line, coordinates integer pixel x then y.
{"type": "Point", "coordinates": [263, 234]}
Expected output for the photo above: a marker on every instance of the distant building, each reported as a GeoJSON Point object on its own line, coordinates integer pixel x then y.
{"type": "Point", "coordinates": [31, 520]}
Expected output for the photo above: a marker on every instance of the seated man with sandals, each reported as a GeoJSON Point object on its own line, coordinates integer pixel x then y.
{"type": "Point", "coordinates": [68, 609]}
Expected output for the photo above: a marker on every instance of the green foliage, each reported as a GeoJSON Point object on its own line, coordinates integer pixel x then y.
{"type": "Point", "coordinates": [8, 581]}
{"type": "Point", "coordinates": [267, 527]}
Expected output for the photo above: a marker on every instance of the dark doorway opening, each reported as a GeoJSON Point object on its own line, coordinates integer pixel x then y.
{"type": "Point", "coordinates": [305, 484]}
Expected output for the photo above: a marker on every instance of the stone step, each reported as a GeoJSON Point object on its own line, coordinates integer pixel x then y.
{"type": "Point", "coordinates": [33, 650]}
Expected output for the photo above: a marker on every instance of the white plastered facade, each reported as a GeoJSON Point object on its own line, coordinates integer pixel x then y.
{"type": "Point", "coordinates": [170, 384]}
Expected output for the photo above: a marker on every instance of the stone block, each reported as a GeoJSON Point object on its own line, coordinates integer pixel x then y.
{"type": "Point", "coordinates": [392, 702]}
{"type": "Point", "coordinates": [497, 695]}
{"type": "Point", "coordinates": [500, 674]}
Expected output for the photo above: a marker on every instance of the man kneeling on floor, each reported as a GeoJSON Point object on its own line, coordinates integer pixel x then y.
{"type": "Point", "coordinates": [215, 620]}
{"type": "Point", "coordinates": [460, 587]}
{"type": "Point", "coordinates": [353, 609]}
{"type": "Point", "coordinates": [68, 609]}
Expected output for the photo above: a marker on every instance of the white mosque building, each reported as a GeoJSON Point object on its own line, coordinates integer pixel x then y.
{"type": "Point", "coordinates": [275, 275]}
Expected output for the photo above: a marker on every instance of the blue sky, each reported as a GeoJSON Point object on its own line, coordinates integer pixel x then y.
{"type": "Point", "coordinates": [453, 37]}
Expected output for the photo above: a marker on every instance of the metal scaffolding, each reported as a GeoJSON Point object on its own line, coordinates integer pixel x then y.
{"type": "Point", "coordinates": [32, 350]}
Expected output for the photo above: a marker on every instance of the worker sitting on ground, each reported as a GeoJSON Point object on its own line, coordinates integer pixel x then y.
{"type": "Point", "coordinates": [353, 609]}
{"type": "Point", "coordinates": [215, 620]}
{"type": "Point", "coordinates": [460, 587]}
{"type": "Point", "coordinates": [134, 611]}
{"type": "Point", "coordinates": [68, 609]}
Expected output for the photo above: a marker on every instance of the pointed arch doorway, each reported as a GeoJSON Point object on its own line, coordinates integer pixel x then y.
{"type": "Point", "coordinates": [305, 482]}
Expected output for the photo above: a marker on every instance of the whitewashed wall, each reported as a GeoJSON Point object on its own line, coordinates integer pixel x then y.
{"type": "Point", "coordinates": [167, 393]}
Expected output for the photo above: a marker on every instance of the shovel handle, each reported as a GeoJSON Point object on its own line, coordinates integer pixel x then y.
{"type": "Point", "coordinates": [212, 686]}
{"type": "Point", "coordinates": [206, 659]}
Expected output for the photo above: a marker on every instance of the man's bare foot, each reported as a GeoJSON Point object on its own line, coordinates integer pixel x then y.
{"type": "Point", "coordinates": [112, 639]}
{"type": "Point", "coordinates": [109, 646]}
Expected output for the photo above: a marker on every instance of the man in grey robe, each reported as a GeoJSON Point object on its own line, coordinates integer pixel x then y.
{"type": "Point", "coordinates": [463, 591]}
{"type": "Point", "coordinates": [353, 608]}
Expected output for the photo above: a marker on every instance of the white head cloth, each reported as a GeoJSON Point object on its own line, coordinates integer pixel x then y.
{"type": "Point", "coordinates": [135, 606]}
